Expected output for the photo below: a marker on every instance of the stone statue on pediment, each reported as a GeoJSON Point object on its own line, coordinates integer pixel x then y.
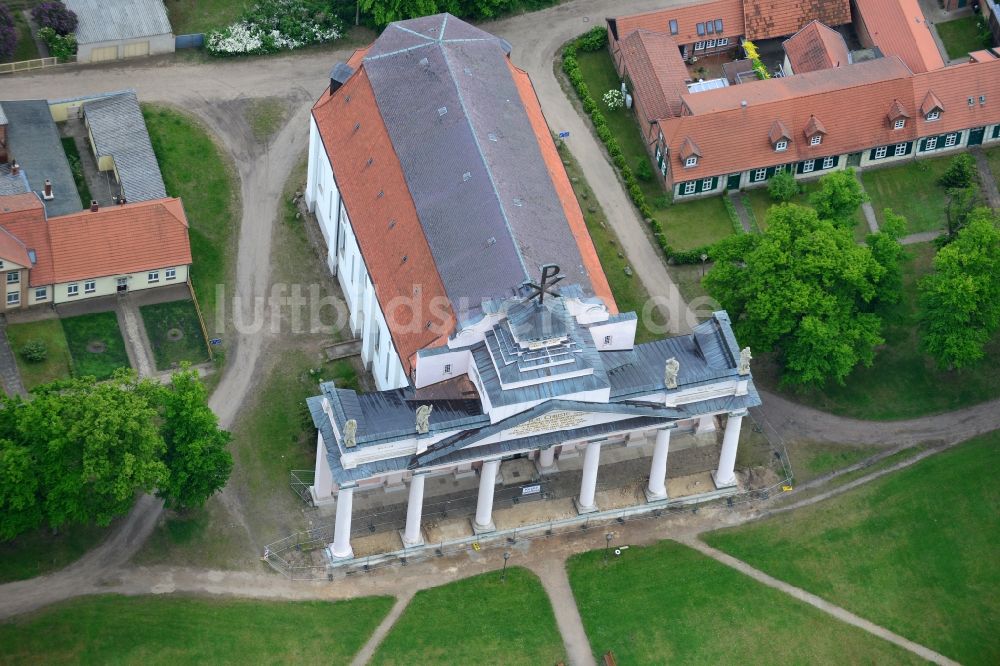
{"type": "Point", "coordinates": [424, 418]}
{"type": "Point", "coordinates": [670, 371]}
{"type": "Point", "coordinates": [350, 434]}
{"type": "Point", "coordinates": [745, 357]}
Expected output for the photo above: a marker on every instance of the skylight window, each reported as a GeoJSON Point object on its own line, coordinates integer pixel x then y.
{"type": "Point", "coordinates": [673, 26]}
{"type": "Point", "coordinates": [718, 25]}
{"type": "Point", "coordinates": [701, 28]}
{"type": "Point", "coordinates": [709, 27]}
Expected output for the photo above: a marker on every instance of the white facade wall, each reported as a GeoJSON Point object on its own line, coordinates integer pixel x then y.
{"type": "Point", "coordinates": [108, 285]}
{"type": "Point", "coordinates": [158, 44]}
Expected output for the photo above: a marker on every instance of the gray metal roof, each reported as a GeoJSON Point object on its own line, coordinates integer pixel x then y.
{"type": "Point", "coordinates": [117, 20]}
{"type": "Point", "coordinates": [10, 184]}
{"type": "Point", "coordinates": [471, 160]}
{"type": "Point", "coordinates": [3, 118]}
{"type": "Point", "coordinates": [119, 131]}
{"type": "Point", "coordinates": [33, 140]}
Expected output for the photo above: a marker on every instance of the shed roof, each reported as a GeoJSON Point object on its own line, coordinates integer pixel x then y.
{"type": "Point", "coordinates": [816, 47]}
{"type": "Point", "coordinates": [657, 71]}
{"type": "Point", "coordinates": [117, 20]}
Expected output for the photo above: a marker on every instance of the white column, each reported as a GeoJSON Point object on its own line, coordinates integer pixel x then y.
{"type": "Point", "coordinates": [657, 488]}
{"type": "Point", "coordinates": [484, 507]}
{"type": "Point", "coordinates": [546, 463]}
{"type": "Point", "coordinates": [591, 460]}
{"type": "Point", "coordinates": [725, 476]}
{"type": "Point", "coordinates": [341, 547]}
{"type": "Point", "coordinates": [414, 509]}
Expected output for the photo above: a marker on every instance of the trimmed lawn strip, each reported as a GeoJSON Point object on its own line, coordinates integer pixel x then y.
{"type": "Point", "coordinates": [57, 363]}
{"type": "Point", "coordinates": [478, 620]}
{"type": "Point", "coordinates": [810, 460]}
{"type": "Point", "coordinates": [98, 327]}
{"type": "Point", "coordinates": [914, 551]}
{"type": "Point", "coordinates": [190, 630]}
{"type": "Point", "coordinates": [194, 16]}
{"type": "Point", "coordinates": [697, 223]}
{"type": "Point", "coordinates": [181, 315]}
{"type": "Point", "coordinates": [670, 604]}
{"type": "Point", "coordinates": [629, 292]}
{"type": "Point", "coordinates": [210, 195]}
{"type": "Point", "coordinates": [760, 202]}
{"type": "Point", "coordinates": [960, 36]}
{"type": "Point", "coordinates": [39, 552]}
{"type": "Point", "coordinates": [903, 382]}
{"type": "Point", "coordinates": [76, 167]}
{"type": "Point", "coordinates": [910, 190]}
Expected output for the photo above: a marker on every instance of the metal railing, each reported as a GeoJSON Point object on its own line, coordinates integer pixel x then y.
{"type": "Point", "coordinates": [300, 480]}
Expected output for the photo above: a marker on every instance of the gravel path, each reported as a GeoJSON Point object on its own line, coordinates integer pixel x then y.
{"type": "Point", "coordinates": [552, 573]}
{"type": "Point", "coordinates": [368, 650]}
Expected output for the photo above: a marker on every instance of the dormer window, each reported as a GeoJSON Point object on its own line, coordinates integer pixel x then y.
{"type": "Point", "coordinates": [899, 124]}
{"type": "Point", "coordinates": [781, 145]}
{"type": "Point", "coordinates": [816, 139]}
{"type": "Point", "coordinates": [932, 116]}
{"type": "Point", "coordinates": [691, 161]}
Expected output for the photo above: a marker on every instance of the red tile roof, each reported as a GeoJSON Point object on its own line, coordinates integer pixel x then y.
{"type": "Point", "coordinates": [778, 132]}
{"type": "Point", "coordinates": [816, 47]}
{"type": "Point", "coordinates": [113, 241]}
{"type": "Point", "coordinates": [953, 87]}
{"type": "Point", "coordinates": [930, 103]}
{"type": "Point", "coordinates": [657, 72]}
{"type": "Point", "coordinates": [730, 12]}
{"type": "Point", "coordinates": [897, 110]}
{"type": "Point", "coordinates": [898, 27]}
{"type": "Point", "coordinates": [813, 127]}
{"type": "Point", "coordinates": [28, 206]}
{"type": "Point", "coordinates": [766, 19]}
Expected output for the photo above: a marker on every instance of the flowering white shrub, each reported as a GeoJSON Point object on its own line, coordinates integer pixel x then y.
{"type": "Point", "coordinates": [614, 99]}
{"type": "Point", "coordinates": [276, 25]}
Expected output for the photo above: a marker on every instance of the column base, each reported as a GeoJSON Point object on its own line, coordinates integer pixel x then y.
{"type": "Point", "coordinates": [584, 509]}
{"type": "Point", "coordinates": [723, 483]}
{"type": "Point", "coordinates": [654, 497]}
{"type": "Point", "coordinates": [320, 501]}
{"type": "Point", "coordinates": [414, 544]}
{"type": "Point", "coordinates": [551, 469]}
{"type": "Point", "coordinates": [337, 558]}
{"type": "Point", "coordinates": [483, 529]}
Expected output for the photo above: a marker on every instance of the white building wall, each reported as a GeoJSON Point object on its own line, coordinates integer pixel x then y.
{"type": "Point", "coordinates": [108, 285]}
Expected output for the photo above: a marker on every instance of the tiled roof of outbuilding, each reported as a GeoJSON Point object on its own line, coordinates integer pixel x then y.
{"type": "Point", "coordinates": [730, 12]}
{"type": "Point", "coordinates": [816, 47]}
{"type": "Point", "coordinates": [898, 27]}
{"type": "Point", "coordinates": [657, 71]}
{"type": "Point", "coordinates": [766, 19]}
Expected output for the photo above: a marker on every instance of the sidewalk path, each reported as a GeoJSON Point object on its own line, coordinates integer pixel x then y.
{"type": "Point", "coordinates": [741, 211]}
{"type": "Point", "coordinates": [9, 373]}
{"type": "Point", "coordinates": [987, 179]}
{"type": "Point", "coordinates": [552, 573]}
{"type": "Point", "coordinates": [866, 207]}
{"type": "Point", "coordinates": [817, 602]}
{"type": "Point", "coordinates": [922, 237]}
{"type": "Point", "coordinates": [136, 343]}
{"type": "Point", "coordinates": [368, 650]}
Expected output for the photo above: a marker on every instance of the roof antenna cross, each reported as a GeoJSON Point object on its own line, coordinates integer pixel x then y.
{"type": "Point", "coordinates": [550, 276]}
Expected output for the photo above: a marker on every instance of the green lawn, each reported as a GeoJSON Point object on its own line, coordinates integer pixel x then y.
{"type": "Point", "coordinates": [210, 195]}
{"type": "Point", "coordinates": [26, 49]}
{"type": "Point", "coordinates": [478, 620]}
{"type": "Point", "coordinates": [265, 117]}
{"type": "Point", "coordinates": [902, 382]}
{"type": "Point", "coordinates": [760, 203]}
{"type": "Point", "coordinates": [915, 551]}
{"type": "Point", "coordinates": [170, 351]}
{"type": "Point", "coordinates": [993, 157]}
{"type": "Point", "coordinates": [192, 16]}
{"type": "Point", "coordinates": [811, 459]}
{"type": "Point", "coordinates": [57, 364]}
{"type": "Point", "coordinates": [688, 225]}
{"type": "Point", "coordinates": [99, 328]}
{"type": "Point", "coordinates": [73, 157]}
{"type": "Point", "coordinates": [960, 36]}
{"type": "Point", "coordinates": [629, 292]}
{"type": "Point", "coordinates": [189, 630]}
{"type": "Point", "coordinates": [668, 604]}
{"type": "Point", "coordinates": [35, 553]}
{"type": "Point", "coordinates": [911, 190]}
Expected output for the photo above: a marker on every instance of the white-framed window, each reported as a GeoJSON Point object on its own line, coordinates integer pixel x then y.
{"type": "Point", "coordinates": [699, 46]}
{"type": "Point", "coordinates": [816, 139]}
{"type": "Point", "coordinates": [931, 143]}
{"type": "Point", "coordinates": [1, 263]}
{"type": "Point", "coordinates": [447, 368]}
{"type": "Point", "coordinates": [779, 169]}
{"type": "Point", "coordinates": [72, 289]}
{"type": "Point", "coordinates": [170, 274]}
{"type": "Point", "coordinates": [829, 162]}
{"type": "Point", "coordinates": [949, 141]}
{"type": "Point", "coordinates": [690, 186]}
{"type": "Point", "coordinates": [808, 166]}
{"type": "Point", "coordinates": [900, 150]}
{"type": "Point", "coordinates": [759, 175]}
{"type": "Point", "coordinates": [607, 339]}
{"type": "Point", "coordinates": [781, 145]}
{"type": "Point", "coordinates": [710, 44]}
{"type": "Point", "coordinates": [89, 287]}
{"type": "Point", "coordinates": [881, 152]}
{"type": "Point", "coordinates": [663, 167]}
{"type": "Point", "coordinates": [899, 124]}
{"type": "Point", "coordinates": [42, 294]}
{"type": "Point", "coordinates": [932, 116]}
{"type": "Point", "coordinates": [13, 277]}
{"type": "Point", "coordinates": [378, 338]}
{"type": "Point", "coordinates": [14, 298]}
{"type": "Point", "coordinates": [706, 184]}
{"type": "Point", "coordinates": [723, 41]}
{"type": "Point", "coordinates": [691, 161]}
{"type": "Point", "coordinates": [153, 277]}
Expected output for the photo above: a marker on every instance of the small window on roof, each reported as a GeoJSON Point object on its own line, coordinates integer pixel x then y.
{"type": "Point", "coordinates": [701, 28]}
{"type": "Point", "coordinates": [709, 27]}
{"type": "Point", "coordinates": [718, 25]}
{"type": "Point", "coordinates": [673, 26]}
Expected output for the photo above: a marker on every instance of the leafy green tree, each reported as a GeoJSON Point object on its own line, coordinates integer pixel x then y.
{"type": "Point", "coordinates": [196, 453]}
{"type": "Point", "coordinates": [960, 202]}
{"type": "Point", "coordinates": [20, 510]}
{"type": "Point", "coordinates": [838, 197]}
{"type": "Point", "coordinates": [889, 253]}
{"type": "Point", "coordinates": [960, 300]}
{"type": "Point", "coordinates": [961, 172]}
{"type": "Point", "coordinates": [386, 11]}
{"type": "Point", "coordinates": [782, 187]}
{"type": "Point", "coordinates": [803, 289]}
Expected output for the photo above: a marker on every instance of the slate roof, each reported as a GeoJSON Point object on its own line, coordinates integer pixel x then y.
{"type": "Point", "coordinates": [116, 20]}
{"type": "Point", "coordinates": [119, 131]}
{"type": "Point", "coordinates": [3, 118]}
{"type": "Point", "coordinates": [33, 140]}
{"type": "Point", "coordinates": [899, 28]}
{"type": "Point", "coordinates": [657, 71]}
{"type": "Point", "coordinates": [816, 47]}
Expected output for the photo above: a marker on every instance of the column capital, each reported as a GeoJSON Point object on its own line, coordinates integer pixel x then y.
{"type": "Point", "coordinates": [739, 412]}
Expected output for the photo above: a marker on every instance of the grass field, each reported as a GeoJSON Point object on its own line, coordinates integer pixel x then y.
{"type": "Point", "coordinates": [35, 553]}
{"type": "Point", "coordinates": [810, 459]}
{"type": "Point", "coordinates": [188, 630]}
{"type": "Point", "coordinates": [910, 190]}
{"type": "Point", "coordinates": [697, 223]}
{"type": "Point", "coordinates": [98, 328]}
{"type": "Point", "coordinates": [192, 16]}
{"type": "Point", "coordinates": [57, 364]}
{"type": "Point", "coordinates": [915, 551]}
{"type": "Point", "coordinates": [760, 203]}
{"type": "Point", "coordinates": [667, 604]}
{"type": "Point", "coordinates": [210, 195]}
{"type": "Point", "coordinates": [993, 157]}
{"type": "Point", "coordinates": [960, 36]}
{"type": "Point", "coordinates": [181, 315]}
{"type": "Point", "coordinates": [902, 382]}
{"type": "Point", "coordinates": [75, 166]}
{"type": "Point", "coordinates": [478, 620]}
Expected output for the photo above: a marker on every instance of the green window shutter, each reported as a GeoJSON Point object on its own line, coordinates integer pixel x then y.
{"type": "Point", "coordinates": [799, 168]}
{"type": "Point", "coordinates": [715, 182]}
{"type": "Point", "coordinates": [871, 155]}
{"type": "Point", "coordinates": [909, 147]}
{"type": "Point", "coordinates": [922, 146]}
{"type": "Point", "coordinates": [769, 173]}
{"type": "Point", "coordinates": [996, 131]}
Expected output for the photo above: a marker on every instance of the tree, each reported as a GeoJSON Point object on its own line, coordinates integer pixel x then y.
{"type": "Point", "coordinates": [888, 252]}
{"type": "Point", "coordinates": [8, 33]}
{"type": "Point", "coordinates": [838, 197]}
{"type": "Point", "coordinates": [961, 172]}
{"type": "Point", "coordinates": [782, 187]}
{"type": "Point", "coordinates": [960, 300]}
{"type": "Point", "coordinates": [960, 202]}
{"type": "Point", "coordinates": [803, 289]}
{"type": "Point", "coordinates": [19, 507]}
{"type": "Point", "coordinates": [196, 452]}
{"type": "Point", "coordinates": [386, 11]}
{"type": "Point", "coordinates": [55, 15]}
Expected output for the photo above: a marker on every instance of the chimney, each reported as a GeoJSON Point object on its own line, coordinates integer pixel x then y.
{"type": "Point", "coordinates": [15, 168]}
{"type": "Point", "coordinates": [47, 192]}
{"type": "Point", "coordinates": [93, 206]}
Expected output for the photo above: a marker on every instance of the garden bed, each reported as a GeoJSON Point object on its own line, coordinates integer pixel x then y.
{"type": "Point", "coordinates": [57, 363]}
{"type": "Point", "coordinates": [174, 332]}
{"type": "Point", "coordinates": [76, 167]}
{"type": "Point", "coordinates": [95, 344]}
